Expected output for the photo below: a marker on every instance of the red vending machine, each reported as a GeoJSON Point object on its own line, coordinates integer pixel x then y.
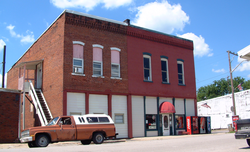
{"type": "Point", "coordinates": [192, 124]}
{"type": "Point", "coordinates": [203, 125]}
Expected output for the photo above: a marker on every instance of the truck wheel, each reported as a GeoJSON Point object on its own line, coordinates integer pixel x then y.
{"type": "Point", "coordinates": [32, 144]}
{"type": "Point", "coordinates": [248, 142]}
{"type": "Point", "coordinates": [42, 141]}
{"type": "Point", "coordinates": [98, 138]}
{"type": "Point", "coordinates": [85, 142]}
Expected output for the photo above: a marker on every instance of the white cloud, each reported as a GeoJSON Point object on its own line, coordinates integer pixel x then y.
{"type": "Point", "coordinates": [200, 47]}
{"type": "Point", "coordinates": [248, 76]}
{"type": "Point", "coordinates": [116, 3]}
{"type": "Point", "coordinates": [2, 43]}
{"type": "Point", "coordinates": [89, 4]}
{"type": "Point", "coordinates": [29, 38]}
{"type": "Point", "coordinates": [5, 80]}
{"type": "Point", "coordinates": [245, 66]}
{"type": "Point", "coordinates": [161, 16]}
{"type": "Point", "coordinates": [219, 71]}
{"type": "Point", "coordinates": [47, 24]}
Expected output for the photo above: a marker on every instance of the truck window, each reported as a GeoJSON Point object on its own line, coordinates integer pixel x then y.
{"type": "Point", "coordinates": [81, 119]}
{"type": "Point", "coordinates": [92, 119]}
{"type": "Point", "coordinates": [103, 119]}
{"type": "Point", "coordinates": [66, 121]}
{"type": "Point", "coordinates": [53, 122]}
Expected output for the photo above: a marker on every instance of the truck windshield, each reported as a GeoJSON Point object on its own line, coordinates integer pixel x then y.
{"type": "Point", "coordinates": [53, 121]}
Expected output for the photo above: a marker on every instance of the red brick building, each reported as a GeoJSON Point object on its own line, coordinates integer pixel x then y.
{"type": "Point", "coordinates": [9, 115]}
{"type": "Point", "coordinates": [145, 80]}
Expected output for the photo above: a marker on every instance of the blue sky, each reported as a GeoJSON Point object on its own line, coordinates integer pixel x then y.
{"type": "Point", "coordinates": [214, 26]}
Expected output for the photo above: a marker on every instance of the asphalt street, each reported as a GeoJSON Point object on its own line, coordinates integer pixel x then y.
{"type": "Point", "coordinates": [218, 141]}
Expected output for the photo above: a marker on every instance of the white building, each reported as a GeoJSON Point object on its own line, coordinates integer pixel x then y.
{"type": "Point", "coordinates": [220, 109]}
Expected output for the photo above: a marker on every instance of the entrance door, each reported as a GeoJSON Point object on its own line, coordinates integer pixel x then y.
{"type": "Point", "coordinates": [39, 75]}
{"type": "Point", "coordinates": [166, 124]}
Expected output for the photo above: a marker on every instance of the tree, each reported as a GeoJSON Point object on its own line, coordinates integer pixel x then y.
{"type": "Point", "coordinates": [221, 87]}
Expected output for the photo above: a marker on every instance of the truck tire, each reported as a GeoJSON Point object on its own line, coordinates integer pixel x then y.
{"type": "Point", "coordinates": [98, 138]}
{"type": "Point", "coordinates": [248, 142]}
{"type": "Point", "coordinates": [85, 142]}
{"type": "Point", "coordinates": [31, 144]}
{"type": "Point", "coordinates": [42, 140]}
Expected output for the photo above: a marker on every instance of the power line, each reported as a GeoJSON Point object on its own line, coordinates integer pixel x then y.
{"type": "Point", "coordinates": [212, 77]}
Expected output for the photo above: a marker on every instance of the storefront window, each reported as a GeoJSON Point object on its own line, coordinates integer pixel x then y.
{"type": "Point", "coordinates": [151, 122]}
{"type": "Point", "coordinates": [179, 121]}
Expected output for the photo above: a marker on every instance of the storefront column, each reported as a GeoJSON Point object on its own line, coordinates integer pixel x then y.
{"type": "Point", "coordinates": [185, 115]}
{"type": "Point", "coordinates": [174, 117]}
{"type": "Point", "coordinates": [158, 117]}
{"type": "Point", "coordinates": [86, 103]}
{"type": "Point", "coordinates": [110, 105]}
{"type": "Point", "coordinates": [129, 114]}
{"type": "Point", "coordinates": [144, 104]}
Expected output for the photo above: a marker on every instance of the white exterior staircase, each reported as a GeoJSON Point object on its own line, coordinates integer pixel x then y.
{"type": "Point", "coordinates": [40, 104]}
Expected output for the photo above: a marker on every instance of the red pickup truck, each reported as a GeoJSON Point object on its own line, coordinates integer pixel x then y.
{"type": "Point", "coordinates": [86, 128]}
{"type": "Point", "coordinates": [242, 130]}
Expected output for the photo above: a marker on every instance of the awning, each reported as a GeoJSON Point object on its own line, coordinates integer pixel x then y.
{"type": "Point", "coordinates": [30, 65]}
{"type": "Point", "coordinates": [167, 107]}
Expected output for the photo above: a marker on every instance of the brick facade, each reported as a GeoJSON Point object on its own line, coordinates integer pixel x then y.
{"type": "Point", "coordinates": [142, 41]}
{"type": "Point", "coordinates": [54, 48]}
{"type": "Point", "coordinates": [9, 115]}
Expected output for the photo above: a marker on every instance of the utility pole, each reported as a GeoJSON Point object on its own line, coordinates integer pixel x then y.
{"type": "Point", "coordinates": [4, 55]}
{"type": "Point", "coordinates": [231, 77]}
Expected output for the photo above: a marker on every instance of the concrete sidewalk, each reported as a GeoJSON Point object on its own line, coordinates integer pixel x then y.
{"type": "Point", "coordinates": [25, 145]}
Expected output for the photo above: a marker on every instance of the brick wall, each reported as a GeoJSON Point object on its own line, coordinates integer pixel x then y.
{"type": "Point", "coordinates": [9, 112]}
{"type": "Point", "coordinates": [94, 32]}
{"type": "Point", "coordinates": [158, 45]}
{"type": "Point", "coordinates": [49, 48]}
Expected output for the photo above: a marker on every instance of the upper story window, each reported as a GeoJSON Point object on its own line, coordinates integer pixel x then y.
{"type": "Point", "coordinates": [115, 62]}
{"type": "Point", "coordinates": [164, 69]}
{"type": "Point", "coordinates": [180, 68]}
{"type": "Point", "coordinates": [147, 66]}
{"type": "Point", "coordinates": [78, 60]}
{"type": "Point", "coordinates": [97, 60]}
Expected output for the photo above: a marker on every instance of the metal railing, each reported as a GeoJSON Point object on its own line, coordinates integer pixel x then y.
{"type": "Point", "coordinates": [37, 104]}
{"type": "Point", "coordinates": [50, 115]}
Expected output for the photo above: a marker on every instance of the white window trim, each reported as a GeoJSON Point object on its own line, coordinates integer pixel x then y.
{"type": "Point", "coordinates": [101, 70]}
{"type": "Point", "coordinates": [78, 42]}
{"type": "Point", "coordinates": [118, 69]}
{"type": "Point", "coordinates": [150, 69]}
{"type": "Point", "coordinates": [97, 46]}
{"type": "Point", "coordinates": [164, 59]}
{"type": "Point", "coordinates": [115, 48]}
{"type": "Point", "coordinates": [180, 62]}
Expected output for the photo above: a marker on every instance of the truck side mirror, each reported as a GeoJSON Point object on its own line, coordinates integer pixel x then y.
{"type": "Point", "coordinates": [60, 123]}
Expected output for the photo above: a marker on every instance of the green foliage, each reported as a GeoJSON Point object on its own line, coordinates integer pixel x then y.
{"type": "Point", "coordinates": [221, 87]}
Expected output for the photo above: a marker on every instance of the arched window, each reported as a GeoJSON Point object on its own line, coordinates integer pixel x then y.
{"type": "Point", "coordinates": [180, 68]}
{"type": "Point", "coordinates": [164, 69]}
{"type": "Point", "coordinates": [97, 60]}
{"type": "Point", "coordinates": [78, 58]}
{"type": "Point", "coordinates": [115, 62]}
{"type": "Point", "coordinates": [147, 66]}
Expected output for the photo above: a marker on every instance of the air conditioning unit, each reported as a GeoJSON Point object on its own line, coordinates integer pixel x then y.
{"type": "Point", "coordinates": [78, 70]}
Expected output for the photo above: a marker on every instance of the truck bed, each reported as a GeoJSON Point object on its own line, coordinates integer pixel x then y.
{"type": "Point", "coordinates": [243, 129]}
